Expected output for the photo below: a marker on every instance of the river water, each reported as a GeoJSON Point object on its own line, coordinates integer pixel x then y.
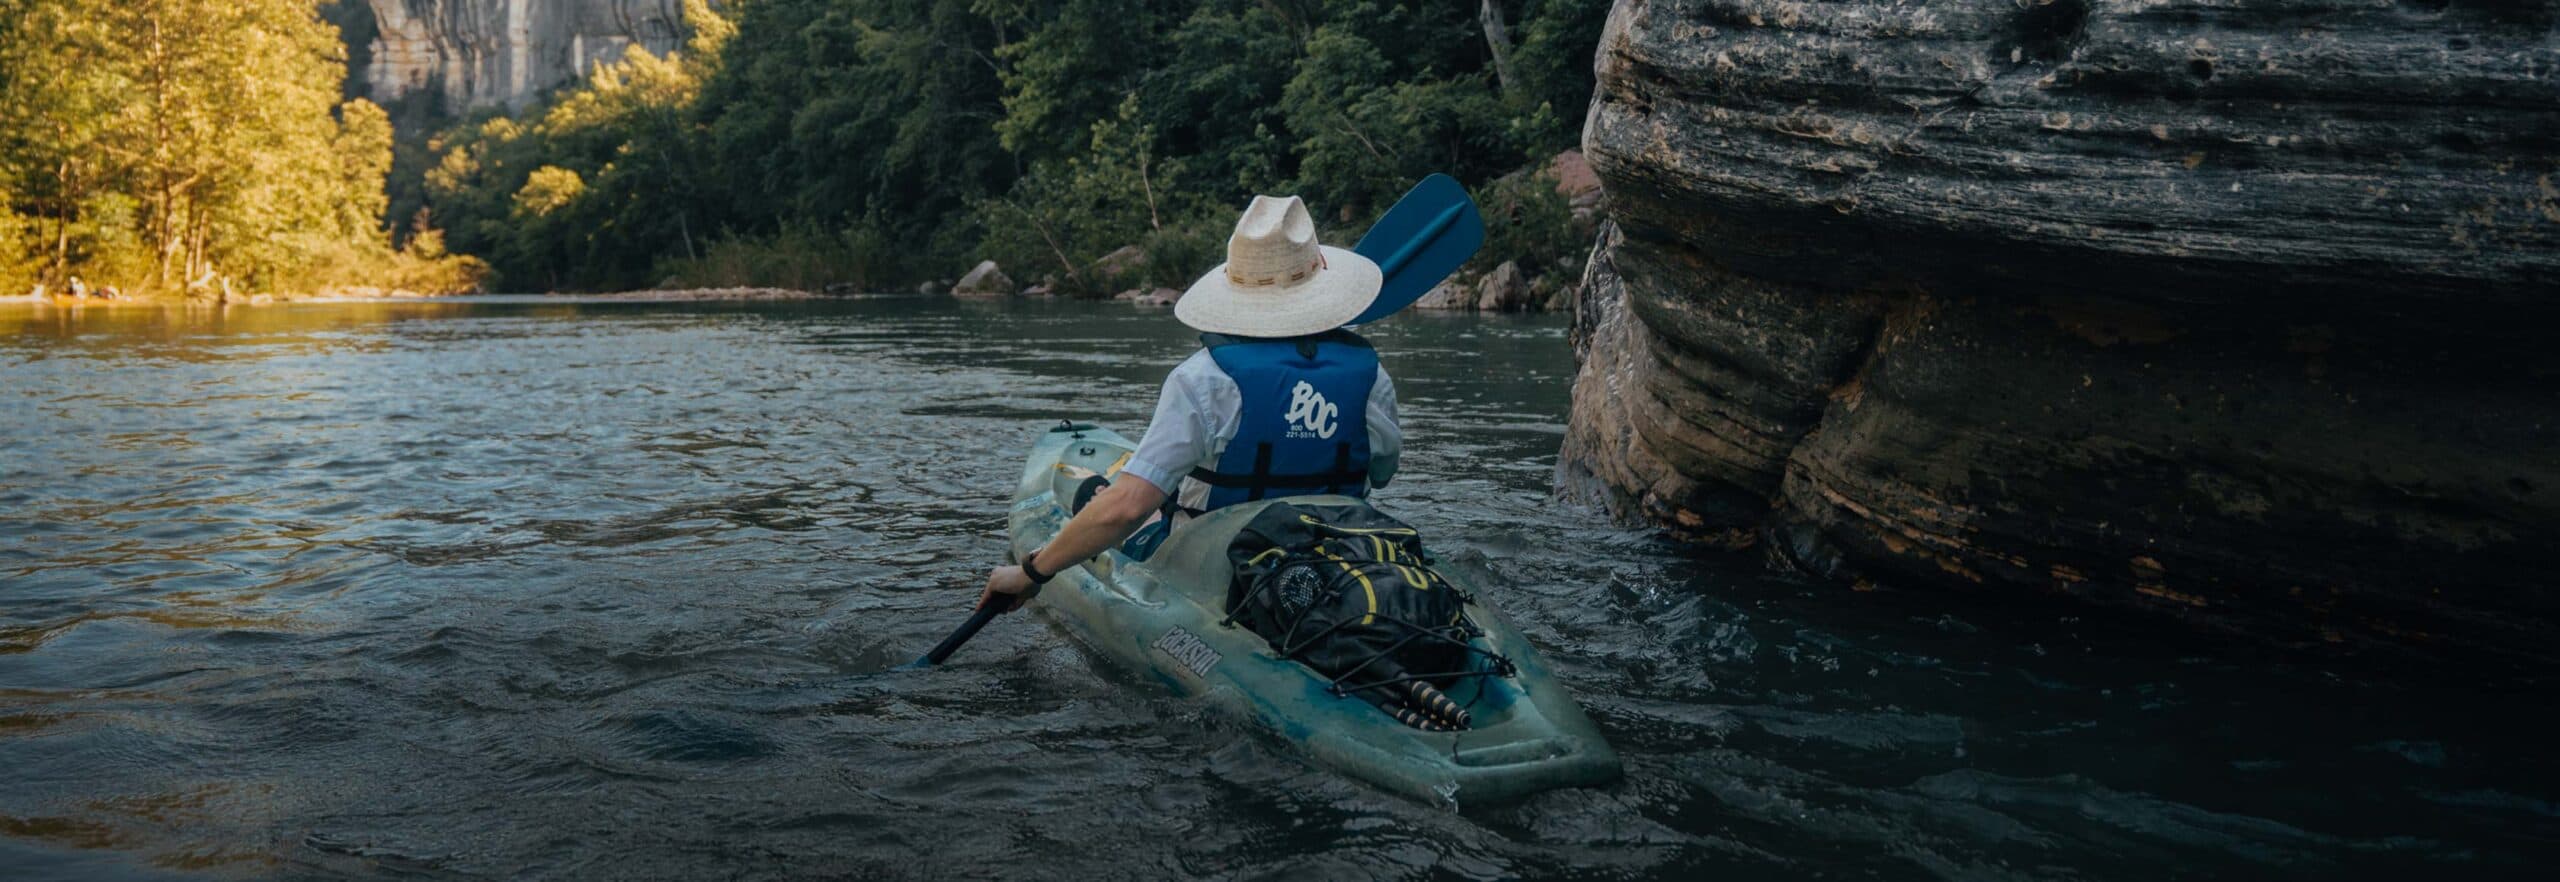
{"type": "Point", "coordinates": [543, 589]}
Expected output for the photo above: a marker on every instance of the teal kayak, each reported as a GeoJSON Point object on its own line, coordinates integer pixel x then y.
{"type": "Point", "coordinates": [1163, 618]}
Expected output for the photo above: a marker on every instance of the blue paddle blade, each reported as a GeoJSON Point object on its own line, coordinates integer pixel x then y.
{"type": "Point", "coordinates": [1429, 233]}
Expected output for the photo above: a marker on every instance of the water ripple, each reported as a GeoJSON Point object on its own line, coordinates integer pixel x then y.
{"type": "Point", "coordinates": [543, 589]}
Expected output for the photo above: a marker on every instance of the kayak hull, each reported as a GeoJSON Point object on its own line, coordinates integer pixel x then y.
{"type": "Point", "coordinates": [1164, 618]}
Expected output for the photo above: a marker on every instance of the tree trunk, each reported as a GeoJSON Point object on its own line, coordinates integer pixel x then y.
{"type": "Point", "coordinates": [1154, 221]}
{"type": "Point", "coordinates": [163, 222]}
{"type": "Point", "coordinates": [1498, 39]}
{"type": "Point", "coordinates": [198, 231]}
{"type": "Point", "coordinates": [1036, 223]}
{"type": "Point", "coordinates": [62, 223]}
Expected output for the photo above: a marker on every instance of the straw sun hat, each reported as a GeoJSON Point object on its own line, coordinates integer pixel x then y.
{"type": "Point", "coordinates": [1277, 282]}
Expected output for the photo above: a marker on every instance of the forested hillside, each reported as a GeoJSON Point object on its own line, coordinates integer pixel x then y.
{"type": "Point", "coordinates": [875, 142]}
{"type": "Point", "coordinates": [185, 145]}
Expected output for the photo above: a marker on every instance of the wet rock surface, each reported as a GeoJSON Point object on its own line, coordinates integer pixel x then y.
{"type": "Point", "coordinates": [1122, 265]}
{"type": "Point", "coordinates": [986, 280]}
{"type": "Point", "coordinates": [1505, 289]}
{"type": "Point", "coordinates": [2232, 312]}
{"type": "Point", "coordinates": [1150, 296]}
{"type": "Point", "coordinates": [1450, 294]}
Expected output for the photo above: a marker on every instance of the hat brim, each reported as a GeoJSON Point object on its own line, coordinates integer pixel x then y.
{"type": "Point", "coordinates": [1334, 296]}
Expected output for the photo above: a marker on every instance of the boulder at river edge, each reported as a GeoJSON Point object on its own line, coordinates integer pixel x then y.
{"type": "Point", "coordinates": [1576, 182]}
{"type": "Point", "coordinates": [1504, 289]}
{"type": "Point", "coordinates": [1449, 294]}
{"type": "Point", "coordinates": [1121, 264]}
{"type": "Point", "coordinates": [2236, 313]}
{"type": "Point", "coordinates": [985, 281]}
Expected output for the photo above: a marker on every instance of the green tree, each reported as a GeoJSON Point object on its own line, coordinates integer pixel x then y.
{"type": "Point", "coordinates": [59, 87]}
{"type": "Point", "coordinates": [363, 150]}
{"type": "Point", "coordinates": [1557, 38]}
{"type": "Point", "coordinates": [1365, 133]}
{"type": "Point", "coordinates": [167, 143]}
{"type": "Point", "coordinates": [230, 131]}
{"type": "Point", "coordinates": [912, 137]}
{"type": "Point", "coordinates": [1072, 210]}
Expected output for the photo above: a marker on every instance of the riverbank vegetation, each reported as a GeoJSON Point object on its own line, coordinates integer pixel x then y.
{"type": "Point", "coordinates": [177, 146]}
{"type": "Point", "coordinates": [191, 146]}
{"type": "Point", "coordinates": [873, 143]}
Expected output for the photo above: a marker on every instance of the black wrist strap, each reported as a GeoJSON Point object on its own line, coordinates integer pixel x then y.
{"type": "Point", "coordinates": [1037, 577]}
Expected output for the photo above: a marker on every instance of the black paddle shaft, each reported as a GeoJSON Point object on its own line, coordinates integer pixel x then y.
{"type": "Point", "coordinates": [996, 606]}
{"type": "Point", "coordinates": [967, 630]}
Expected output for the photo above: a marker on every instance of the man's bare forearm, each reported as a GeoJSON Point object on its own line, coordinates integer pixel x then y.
{"type": "Point", "coordinates": [1116, 512]}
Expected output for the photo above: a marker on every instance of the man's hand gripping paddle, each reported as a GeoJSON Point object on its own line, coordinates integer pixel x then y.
{"type": "Point", "coordinates": [987, 612]}
{"type": "Point", "coordinates": [1425, 237]}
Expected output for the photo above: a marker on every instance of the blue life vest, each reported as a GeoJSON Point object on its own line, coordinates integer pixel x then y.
{"type": "Point", "coordinates": [1304, 427]}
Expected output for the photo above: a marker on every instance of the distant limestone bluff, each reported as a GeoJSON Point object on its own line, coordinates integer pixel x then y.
{"type": "Point", "coordinates": [482, 53]}
{"type": "Point", "coordinates": [2238, 312]}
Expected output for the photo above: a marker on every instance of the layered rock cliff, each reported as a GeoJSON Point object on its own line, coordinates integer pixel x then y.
{"type": "Point", "coordinates": [479, 53]}
{"type": "Point", "coordinates": [2236, 311]}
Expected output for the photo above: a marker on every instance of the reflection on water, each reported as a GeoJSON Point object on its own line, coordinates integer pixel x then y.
{"type": "Point", "coordinates": [592, 590]}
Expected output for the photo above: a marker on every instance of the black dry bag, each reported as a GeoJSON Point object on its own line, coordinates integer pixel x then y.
{"type": "Point", "coordinates": [1347, 591]}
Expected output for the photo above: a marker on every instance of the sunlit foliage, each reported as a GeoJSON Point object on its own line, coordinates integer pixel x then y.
{"type": "Point", "coordinates": [905, 139]}
{"type": "Point", "coordinates": [172, 145]}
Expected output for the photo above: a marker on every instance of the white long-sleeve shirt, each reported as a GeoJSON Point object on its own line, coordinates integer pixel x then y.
{"type": "Point", "coordinates": [1197, 414]}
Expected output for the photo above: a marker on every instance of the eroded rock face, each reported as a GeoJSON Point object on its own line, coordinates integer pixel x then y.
{"type": "Point", "coordinates": [477, 53]}
{"type": "Point", "coordinates": [2225, 309]}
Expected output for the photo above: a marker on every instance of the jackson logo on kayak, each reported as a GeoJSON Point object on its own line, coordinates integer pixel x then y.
{"type": "Point", "coordinates": [1309, 413]}
{"type": "Point", "coordinates": [1187, 649]}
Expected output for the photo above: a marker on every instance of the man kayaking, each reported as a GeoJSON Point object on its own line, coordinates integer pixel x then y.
{"type": "Point", "coordinates": [1280, 401]}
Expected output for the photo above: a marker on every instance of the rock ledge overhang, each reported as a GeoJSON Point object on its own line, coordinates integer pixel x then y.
{"type": "Point", "coordinates": [2240, 311]}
